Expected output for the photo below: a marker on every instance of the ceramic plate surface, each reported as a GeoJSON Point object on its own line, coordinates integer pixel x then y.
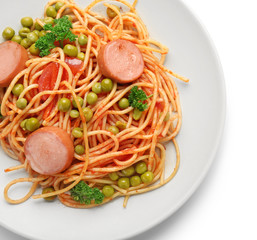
{"type": "Point", "coordinates": [203, 105]}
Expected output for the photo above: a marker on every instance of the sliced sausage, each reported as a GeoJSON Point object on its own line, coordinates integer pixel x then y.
{"type": "Point", "coordinates": [49, 150]}
{"type": "Point", "coordinates": [121, 60]}
{"type": "Point", "coordinates": [12, 60]}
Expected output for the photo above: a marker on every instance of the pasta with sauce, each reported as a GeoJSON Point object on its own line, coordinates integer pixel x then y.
{"type": "Point", "coordinates": [114, 146]}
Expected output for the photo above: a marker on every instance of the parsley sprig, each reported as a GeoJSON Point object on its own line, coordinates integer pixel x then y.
{"type": "Point", "coordinates": [137, 97]}
{"type": "Point", "coordinates": [59, 32]}
{"type": "Point", "coordinates": [84, 194]}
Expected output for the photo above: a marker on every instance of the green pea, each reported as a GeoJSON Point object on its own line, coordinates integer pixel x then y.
{"type": "Point", "coordinates": [27, 22]}
{"type": "Point", "coordinates": [81, 56]}
{"type": "Point", "coordinates": [69, 18]}
{"type": "Point", "coordinates": [21, 103]}
{"type": "Point", "coordinates": [32, 124]}
{"type": "Point", "coordinates": [33, 50]}
{"type": "Point", "coordinates": [106, 85]}
{"type": "Point", "coordinates": [51, 12]}
{"type": "Point", "coordinates": [111, 13]}
{"type": "Point", "coordinates": [77, 132]}
{"type": "Point", "coordinates": [64, 104]}
{"type": "Point", "coordinates": [88, 113]}
{"type": "Point", "coordinates": [48, 190]}
{"type": "Point", "coordinates": [124, 183]}
{"type": "Point", "coordinates": [97, 88]}
{"type": "Point", "coordinates": [114, 130]}
{"type": "Point", "coordinates": [80, 100]}
{"type": "Point", "coordinates": [23, 124]}
{"type": "Point", "coordinates": [113, 176]}
{"type": "Point", "coordinates": [26, 43]}
{"type": "Point", "coordinates": [36, 32]}
{"type": "Point", "coordinates": [147, 177]}
{"type": "Point", "coordinates": [135, 181]}
{"type": "Point", "coordinates": [32, 37]}
{"type": "Point", "coordinates": [24, 32]}
{"type": "Point", "coordinates": [16, 38]}
{"type": "Point", "coordinates": [59, 5]}
{"type": "Point", "coordinates": [70, 50]}
{"type": "Point", "coordinates": [92, 98]}
{"type": "Point", "coordinates": [74, 113]}
{"type": "Point", "coordinates": [83, 40]}
{"type": "Point", "coordinates": [128, 171]}
{"type": "Point", "coordinates": [8, 33]}
{"type": "Point", "coordinates": [17, 89]}
{"type": "Point", "coordinates": [108, 191]}
{"type": "Point", "coordinates": [141, 167]}
{"type": "Point", "coordinates": [38, 26]}
{"type": "Point", "coordinates": [120, 125]}
{"type": "Point", "coordinates": [124, 103]}
{"type": "Point", "coordinates": [42, 33]}
{"type": "Point", "coordinates": [79, 149]}
{"type": "Point", "coordinates": [137, 114]}
{"type": "Point", "coordinates": [48, 20]}
{"type": "Point", "coordinates": [167, 117]}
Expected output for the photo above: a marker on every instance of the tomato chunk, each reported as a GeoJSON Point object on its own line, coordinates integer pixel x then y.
{"type": "Point", "coordinates": [75, 65]}
{"type": "Point", "coordinates": [160, 105]}
{"type": "Point", "coordinates": [48, 78]}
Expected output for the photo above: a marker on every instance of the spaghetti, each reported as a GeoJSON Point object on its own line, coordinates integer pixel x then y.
{"type": "Point", "coordinates": [140, 141]}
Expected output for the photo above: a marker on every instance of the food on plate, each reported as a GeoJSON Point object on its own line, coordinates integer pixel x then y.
{"type": "Point", "coordinates": [87, 105]}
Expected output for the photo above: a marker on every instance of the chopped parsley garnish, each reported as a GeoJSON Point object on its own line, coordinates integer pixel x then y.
{"type": "Point", "coordinates": [84, 194]}
{"type": "Point", "coordinates": [137, 97]}
{"type": "Point", "coordinates": [59, 32]}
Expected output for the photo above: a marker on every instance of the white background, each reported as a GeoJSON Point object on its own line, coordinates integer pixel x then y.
{"type": "Point", "coordinates": [225, 205]}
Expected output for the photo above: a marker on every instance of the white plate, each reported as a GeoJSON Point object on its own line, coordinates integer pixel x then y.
{"type": "Point", "coordinates": [203, 103]}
